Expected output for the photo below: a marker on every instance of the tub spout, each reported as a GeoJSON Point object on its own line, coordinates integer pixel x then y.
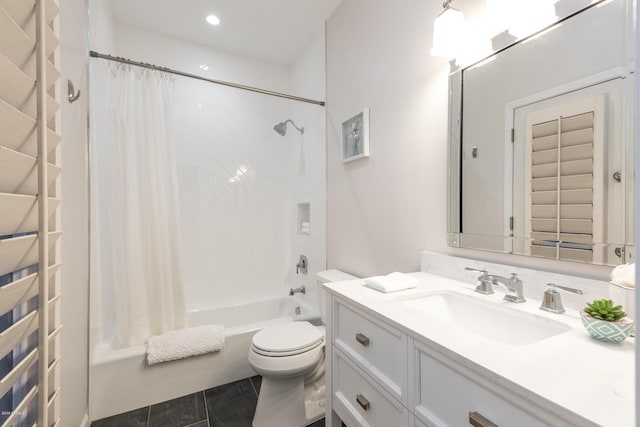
{"type": "Point", "coordinates": [300, 290]}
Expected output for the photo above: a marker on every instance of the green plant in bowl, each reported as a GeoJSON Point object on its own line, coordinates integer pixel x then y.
{"type": "Point", "coordinates": [606, 321]}
{"type": "Point", "coordinates": [604, 309]}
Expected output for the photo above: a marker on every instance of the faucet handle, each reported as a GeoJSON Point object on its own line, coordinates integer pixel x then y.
{"type": "Point", "coordinates": [485, 282]}
{"type": "Point", "coordinates": [552, 300]}
{"type": "Point", "coordinates": [301, 266]}
{"type": "Point", "coordinates": [565, 288]}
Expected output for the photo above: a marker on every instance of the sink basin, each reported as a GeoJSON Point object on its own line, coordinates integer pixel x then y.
{"type": "Point", "coordinates": [488, 319]}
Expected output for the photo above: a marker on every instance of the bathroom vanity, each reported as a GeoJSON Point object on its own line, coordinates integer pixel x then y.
{"type": "Point", "coordinates": [444, 355]}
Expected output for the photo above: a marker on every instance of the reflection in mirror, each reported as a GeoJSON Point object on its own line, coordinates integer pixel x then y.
{"type": "Point", "coordinates": [541, 143]}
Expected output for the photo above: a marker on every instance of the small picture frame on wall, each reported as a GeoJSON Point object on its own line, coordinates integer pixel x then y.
{"type": "Point", "coordinates": [355, 137]}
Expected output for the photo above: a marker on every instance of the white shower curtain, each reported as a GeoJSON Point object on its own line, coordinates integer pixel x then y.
{"type": "Point", "coordinates": [135, 232]}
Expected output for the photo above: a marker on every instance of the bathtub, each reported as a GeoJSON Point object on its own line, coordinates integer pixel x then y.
{"type": "Point", "coordinates": [121, 381]}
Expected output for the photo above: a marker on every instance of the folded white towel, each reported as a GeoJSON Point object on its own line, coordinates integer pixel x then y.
{"type": "Point", "coordinates": [393, 282]}
{"type": "Point", "coordinates": [183, 343]}
{"type": "Point", "coordinates": [624, 275]}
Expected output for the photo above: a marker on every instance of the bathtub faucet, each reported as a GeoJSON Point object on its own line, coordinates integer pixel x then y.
{"type": "Point", "coordinates": [300, 290]}
{"type": "Point", "coordinates": [301, 266]}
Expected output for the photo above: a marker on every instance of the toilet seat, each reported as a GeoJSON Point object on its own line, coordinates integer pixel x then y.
{"type": "Point", "coordinates": [287, 339]}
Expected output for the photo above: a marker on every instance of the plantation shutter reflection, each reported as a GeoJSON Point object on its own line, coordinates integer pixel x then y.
{"type": "Point", "coordinates": [562, 188]}
{"type": "Point", "coordinates": [29, 213]}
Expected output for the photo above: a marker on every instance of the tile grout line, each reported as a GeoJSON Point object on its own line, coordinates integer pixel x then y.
{"type": "Point", "coordinates": [206, 407]}
{"type": "Point", "coordinates": [253, 387]}
{"type": "Point", "coordinates": [148, 415]}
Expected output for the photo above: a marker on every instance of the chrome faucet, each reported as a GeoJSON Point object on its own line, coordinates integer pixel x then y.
{"type": "Point", "coordinates": [515, 287]}
{"type": "Point", "coordinates": [300, 290]}
{"type": "Point", "coordinates": [486, 282]}
{"type": "Point", "coordinates": [552, 301]}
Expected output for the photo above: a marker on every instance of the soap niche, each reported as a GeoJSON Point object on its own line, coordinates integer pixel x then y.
{"type": "Point", "coordinates": [304, 218]}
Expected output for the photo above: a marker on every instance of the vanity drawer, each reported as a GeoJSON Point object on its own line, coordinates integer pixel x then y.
{"type": "Point", "coordinates": [380, 350]}
{"type": "Point", "coordinates": [359, 401]}
{"type": "Point", "coordinates": [447, 394]}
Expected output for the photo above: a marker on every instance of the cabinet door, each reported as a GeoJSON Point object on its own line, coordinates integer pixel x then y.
{"type": "Point", "coordinates": [446, 393]}
{"type": "Point", "coordinates": [379, 349]}
{"type": "Point", "coordinates": [359, 401]}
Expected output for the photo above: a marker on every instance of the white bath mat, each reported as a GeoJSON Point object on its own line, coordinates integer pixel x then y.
{"type": "Point", "coordinates": [184, 343]}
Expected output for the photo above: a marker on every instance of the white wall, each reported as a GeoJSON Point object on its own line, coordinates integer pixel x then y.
{"type": "Point", "coordinates": [101, 28]}
{"type": "Point", "coordinates": [101, 38]}
{"type": "Point", "coordinates": [384, 210]}
{"type": "Point", "coordinates": [75, 285]}
{"type": "Point", "coordinates": [309, 156]}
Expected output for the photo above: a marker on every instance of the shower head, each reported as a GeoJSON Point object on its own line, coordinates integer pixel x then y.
{"type": "Point", "coordinates": [281, 127]}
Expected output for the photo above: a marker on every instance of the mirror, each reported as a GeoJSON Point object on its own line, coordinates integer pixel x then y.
{"type": "Point", "coordinates": [541, 143]}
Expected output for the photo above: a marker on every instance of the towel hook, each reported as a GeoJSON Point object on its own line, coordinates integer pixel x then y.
{"type": "Point", "coordinates": [72, 94]}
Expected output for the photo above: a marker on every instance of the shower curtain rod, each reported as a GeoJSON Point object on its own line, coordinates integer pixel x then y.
{"type": "Point", "coordinates": [95, 54]}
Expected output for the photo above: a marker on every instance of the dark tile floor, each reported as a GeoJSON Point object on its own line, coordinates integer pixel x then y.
{"type": "Point", "coordinates": [230, 405]}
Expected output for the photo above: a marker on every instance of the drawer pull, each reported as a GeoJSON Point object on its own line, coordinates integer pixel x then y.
{"type": "Point", "coordinates": [362, 339]}
{"type": "Point", "coordinates": [477, 420]}
{"type": "Point", "coordinates": [362, 401]}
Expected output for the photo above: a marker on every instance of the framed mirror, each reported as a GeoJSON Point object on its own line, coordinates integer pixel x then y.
{"type": "Point", "coordinates": [541, 143]}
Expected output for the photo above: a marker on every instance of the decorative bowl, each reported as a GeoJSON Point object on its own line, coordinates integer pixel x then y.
{"type": "Point", "coordinates": [607, 331]}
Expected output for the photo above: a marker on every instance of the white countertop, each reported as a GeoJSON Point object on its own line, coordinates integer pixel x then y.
{"type": "Point", "coordinates": [571, 370]}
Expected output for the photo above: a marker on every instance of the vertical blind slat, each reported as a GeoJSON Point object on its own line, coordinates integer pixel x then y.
{"type": "Point", "coordinates": [42, 52]}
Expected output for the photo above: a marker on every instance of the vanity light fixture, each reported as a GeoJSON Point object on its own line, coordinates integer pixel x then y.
{"type": "Point", "coordinates": [213, 20]}
{"type": "Point", "coordinates": [447, 31]}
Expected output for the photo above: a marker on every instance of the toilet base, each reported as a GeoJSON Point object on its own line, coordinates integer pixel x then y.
{"type": "Point", "coordinates": [289, 402]}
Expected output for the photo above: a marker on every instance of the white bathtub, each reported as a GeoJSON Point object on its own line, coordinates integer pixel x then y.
{"type": "Point", "coordinates": [121, 380]}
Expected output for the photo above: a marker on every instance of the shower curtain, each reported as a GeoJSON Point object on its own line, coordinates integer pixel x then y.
{"type": "Point", "coordinates": [135, 234]}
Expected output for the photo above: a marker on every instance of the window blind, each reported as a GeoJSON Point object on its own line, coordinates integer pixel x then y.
{"type": "Point", "coordinates": [29, 207]}
{"type": "Point", "coordinates": [562, 187]}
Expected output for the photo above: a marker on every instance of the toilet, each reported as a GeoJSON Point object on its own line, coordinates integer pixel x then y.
{"type": "Point", "coordinates": [290, 358]}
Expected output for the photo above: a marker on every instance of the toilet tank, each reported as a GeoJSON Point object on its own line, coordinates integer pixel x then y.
{"type": "Point", "coordinates": [329, 276]}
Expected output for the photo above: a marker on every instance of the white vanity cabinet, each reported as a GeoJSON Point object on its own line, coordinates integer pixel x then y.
{"type": "Point", "coordinates": [382, 375]}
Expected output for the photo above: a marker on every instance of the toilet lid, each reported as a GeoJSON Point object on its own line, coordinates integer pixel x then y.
{"type": "Point", "coordinates": [287, 339]}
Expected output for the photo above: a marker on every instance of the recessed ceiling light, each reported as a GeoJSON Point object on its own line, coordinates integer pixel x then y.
{"type": "Point", "coordinates": [213, 20]}
{"type": "Point", "coordinates": [204, 67]}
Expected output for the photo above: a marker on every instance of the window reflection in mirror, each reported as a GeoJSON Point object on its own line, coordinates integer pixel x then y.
{"type": "Point", "coordinates": [541, 144]}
